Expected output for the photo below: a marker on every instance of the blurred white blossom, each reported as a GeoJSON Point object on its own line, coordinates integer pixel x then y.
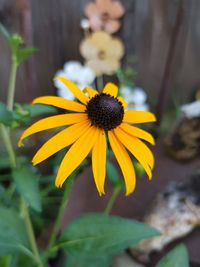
{"type": "Point", "coordinates": [85, 24]}
{"type": "Point", "coordinates": [135, 97]}
{"type": "Point", "coordinates": [191, 110]}
{"type": "Point", "coordinates": [81, 75]}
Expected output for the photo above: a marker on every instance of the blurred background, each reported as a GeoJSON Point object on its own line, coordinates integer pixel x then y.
{"type": "Point", "coordinates": [162, 38]}
{"type": "Point", "coordinates": [149, 29]}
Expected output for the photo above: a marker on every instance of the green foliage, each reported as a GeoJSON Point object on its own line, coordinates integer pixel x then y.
{"type": "Point", "coordinates": [13, 236]}
{"type": "Point", "coordinates": [95, 235]}
{"type": "Point", "coordinates": [27, 185]}
{"type": "Point", "coordinates": [6, 116]}
{"type": "Point", "coordinates": [23, 53]}
{"type": "Point", "coordinates": [74, 261]}
{"type": "Point", "coordinates": [127, 76]}
{"type": "Point", "coordinates": [112, 173]}
{"type": "Point", "coordinates": [16, 43]}
{"type": "Point", "coordinates": [25, 112]}
{"type": "Point", "coordinates": [178, 257]}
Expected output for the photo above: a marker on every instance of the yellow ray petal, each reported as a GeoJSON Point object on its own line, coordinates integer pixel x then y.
{"type": "Point", "coordinates": [76, 154]}
{"type": "Point", "coordinates": [124, 161]}
{"type": "Point", "coordinates": [91, 92]}
{"type": "Point", "coordinates": [133, 116]}
{"type": "Point", "coordinates": [121, 99]}
{"type": "Point", "coordinates": [134, 131]}
{"type": "Point", "coordinates": [99, 161]}
{"type": "Point", "coordinates": [60, 102]}
{"type": "Point", "coordinates": [74, 89]}
{"type": "Point", "coordinates": [60, 141]}
{"type": "Point", "coordinates": [139, 150]}
{"type": "Point", "coordinates": [52, 122]}
{"type": "Point", "coordinates": [110, 89]}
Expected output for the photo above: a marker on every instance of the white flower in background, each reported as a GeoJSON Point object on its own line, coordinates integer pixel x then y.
{"type": "Point", "coordinates": [85, 24]}
{"type": "Point", "coordinates": [191, 110]}
{"type": "Point", "coordinates": [81, 75]}
{"type": "Point", "coordinates": [135, 97]}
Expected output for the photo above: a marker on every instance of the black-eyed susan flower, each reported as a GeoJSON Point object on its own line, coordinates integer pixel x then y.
{"type": "Point", "coordinates": [95, 117]}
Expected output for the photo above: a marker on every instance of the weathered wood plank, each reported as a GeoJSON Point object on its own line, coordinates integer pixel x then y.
{"type": "Point", "coordinates": [53, 27]}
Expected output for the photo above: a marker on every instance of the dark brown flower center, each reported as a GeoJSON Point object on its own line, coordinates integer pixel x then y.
{"type": "Point", "coordinates": [105, 111]}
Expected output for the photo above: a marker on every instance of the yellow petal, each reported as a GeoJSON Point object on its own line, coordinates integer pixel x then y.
{"type": "Point", "coordinates": [139, 150]}
{"type": "Point", "coordinates": [60, 141]}
{"type": "Point", "coordinates": [74, 89]}
{"type": "Point", "coordinates": [124, 104]}
{"type": "Point", "coordinates": [110, 89]}
{"type": "Point", "coordinates": [99, 161]}
{"type": "Point", "coordinates": [124, 161]}
{"type": "Point", "coordinates": [133, 116]}
{"type": "Point", "coordinates": [91, 92]}
{"type": "Point", "coordinates": [134, 131]}
{"type": "Point", "coordinates": [60, 102]}
{"type": "Point", "coordinates": [76, 154]}
{"type": "Point", "coordinates": [52, 122]}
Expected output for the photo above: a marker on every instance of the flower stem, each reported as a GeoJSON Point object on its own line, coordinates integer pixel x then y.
{"type": "Point", "coordinates": [11, 86]}
{"type": "Point", "coordinates": [13, 162]}
{"type": "Point", "coordinates": [8, 145]}
{"type": "Point", "coordinates": [99, 83]}
{"type": "Point", "coordinates": [112, 199]}
{"type": "Point", "coordinates": [60, 212]}
{"type": "Point", "coordinates": [30, 232]}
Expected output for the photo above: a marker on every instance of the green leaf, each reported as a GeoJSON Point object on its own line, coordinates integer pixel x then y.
{"type": "Point", "coordinates": [178, 257]}
{"type": "Point", "coordinates": [5, 261]}
{"type": "Point", "coordinates": [13, 236]}
{"type": "Point", "coordinates": [15, 41]}
{"type": "Point", "coordinates": [28, 186]}
{"type": "Point", "coordinates": [6, 116]}
{"type": "Point", "coordinates": [23, 53]}
{"type": "Point", "coordinates": [101, 234]}
{"type": "Point", "coordinates": [112, 172]}
{"type": "Point", "coordinates": [77, 261]}
{"type": "Point", "coordinates": [39, 109]}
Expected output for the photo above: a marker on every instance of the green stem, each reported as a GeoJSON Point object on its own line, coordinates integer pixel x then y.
{"type": "Point", "coordinates": [8, 144]}
{"type": "Point", "coordinates": [61, 211]}
{"type": "Point", "coordinates": [112, 199]}
{"type": "Point", "coordinates": [12, 156]}
{"type": "Point", "coordinates": [99, 83]}
{"type": "Point", "coordinates": [11, 86]}
{"type": "Point", "coordinates": [30, 232]}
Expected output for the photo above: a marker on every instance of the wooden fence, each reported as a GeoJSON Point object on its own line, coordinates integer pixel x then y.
{"type": "Point", "coordinates": [163, 36]}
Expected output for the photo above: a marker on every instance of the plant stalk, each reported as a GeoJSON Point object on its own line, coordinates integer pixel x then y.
{"type": "Point", "coordinates": [30, 232]}
{"type": "Point", "coordinates": [112, 199]}
{"type": "Point", "coordinates": [8, 144]}
{"type": "Point", "coordinates": [100, 83]}
{"type": "Point", "coordinates": [10, 150]}
{"type": "Point", "coordinates": [60, 213]}
{"type": "Point", "coordinates": [11, 85]}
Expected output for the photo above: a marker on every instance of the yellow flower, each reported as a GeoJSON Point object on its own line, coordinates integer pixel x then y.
{"type": "Point", "coordinates": [94, 117]}
{"type": "Point", "coordinates": [102, 52]}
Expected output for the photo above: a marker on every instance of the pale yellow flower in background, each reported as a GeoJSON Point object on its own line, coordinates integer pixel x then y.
{"type": "Point", "coordinates": [102, 52]}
